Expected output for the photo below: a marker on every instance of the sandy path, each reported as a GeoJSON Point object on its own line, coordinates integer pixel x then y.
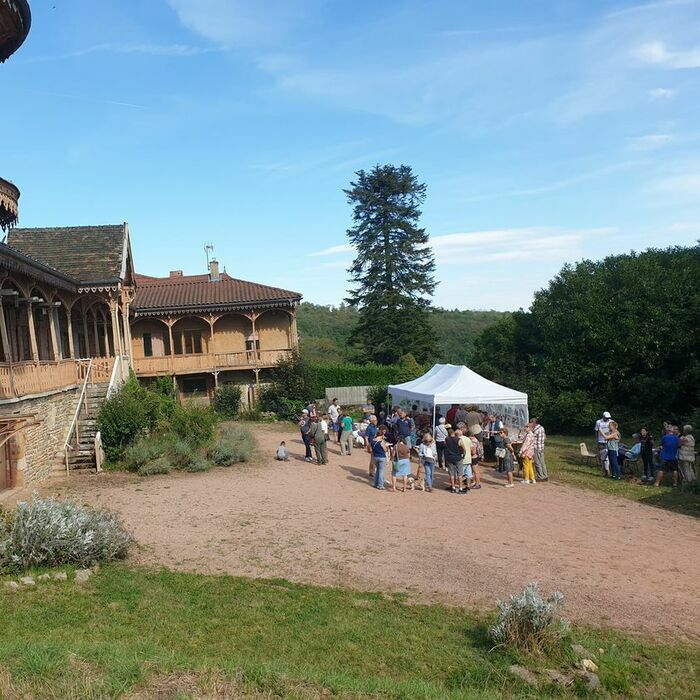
{"type": "Point", "coordinates": [619, 563]}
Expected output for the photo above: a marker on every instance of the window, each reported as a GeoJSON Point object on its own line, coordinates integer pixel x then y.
{"type": "Point", "coordinates": [187, 342]}
{"type": "Point", "coordinates": [147, 345]}
{"type": "Point", "coordinates": [193, 342]}
{"type": "Point", "coordinates": [194, 385]}
{"type": "Point", "coordinates": [252, 344]}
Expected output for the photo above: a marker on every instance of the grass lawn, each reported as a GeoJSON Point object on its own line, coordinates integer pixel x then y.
{"type": "Point", "coordinates": [565, 466]}
{"type": "Point", "coordinates": [132, 630]}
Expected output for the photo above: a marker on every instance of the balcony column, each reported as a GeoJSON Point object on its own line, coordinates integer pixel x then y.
{"type": "Point", "coordinates": [86, 335]}
{"type": "Point", "coordinates": [7, 347]}
{"type": "Point", "coordinates": [71, 348]}
{"type": "Point", "coordinates": [105, 335]}
{"type": "Point", "coordinates": [95, 333]}
{"type": "Point", "coordinates": [127, 328]}
{"type": "Point", "coordinates": [114, 314]}
{"type": "Point", "coordinates": [57, 355]}
{"type": "Point", "coordinates": [256, 342]}
{"type": "Point", "coordinates": [32, 332]}
{"type": "Point", "coordinates": [293, 329]}
{"type": "Point", "coordinates": [169, 322]}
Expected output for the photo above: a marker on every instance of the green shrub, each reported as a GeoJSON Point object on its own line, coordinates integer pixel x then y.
{"type": "Point", "coordinates": [180, 452]}
{"type": "Point", "coordinates": [131, 412]}
{"type": "Point", "coordinates": [160, 465]}
{"type": "Point", "coordinates": [227, 400]}
{"type": "Point", "coordinates": [194, 424]}
{"type": "Point", "coordinates": [233, 444]}
{"type": "Point", "coordinates": [198, 463]}
{"type": "Point", "coordinates": [529, 623]}
{"type": "Point", "coordinates": [144, 449]}
{"type": "Point", "coordinates": [47, 532]}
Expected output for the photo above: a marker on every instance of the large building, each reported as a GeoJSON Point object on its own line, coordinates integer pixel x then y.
{"type": "Point", "coordinates": [75, 317]}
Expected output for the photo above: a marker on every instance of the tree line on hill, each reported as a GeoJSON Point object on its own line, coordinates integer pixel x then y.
{"type": "Point", "coordinates": [325, 332]}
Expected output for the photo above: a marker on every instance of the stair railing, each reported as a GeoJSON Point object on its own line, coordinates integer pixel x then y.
{"type": "Point", "coordinates": [73, 430]}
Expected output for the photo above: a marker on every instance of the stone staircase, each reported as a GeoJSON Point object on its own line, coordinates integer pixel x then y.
{"type": "Point", "coordinates": [82, 456]}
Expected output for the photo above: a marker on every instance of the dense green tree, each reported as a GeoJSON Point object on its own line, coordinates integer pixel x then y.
{"type": "Point", "coordinates": [394, 266]}
{"type": "Point", "coordinates": [620, 334]}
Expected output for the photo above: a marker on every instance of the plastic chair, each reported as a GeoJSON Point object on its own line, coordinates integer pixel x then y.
{"type": "Point", "coordinates": [586, 456]}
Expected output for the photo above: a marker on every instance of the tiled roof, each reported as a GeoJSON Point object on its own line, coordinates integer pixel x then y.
{"type": "Point", "coordinates": [198, 292]}
{"type": "Point", "coordinates": [91, 254]}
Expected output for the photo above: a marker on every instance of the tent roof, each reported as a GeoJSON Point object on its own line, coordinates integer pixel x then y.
{"type": "Point", "coordinates": [445, 384]}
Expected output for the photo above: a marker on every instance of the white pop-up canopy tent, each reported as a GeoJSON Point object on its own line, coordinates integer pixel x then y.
{"type": "Point", "coordinates": [444, 385]}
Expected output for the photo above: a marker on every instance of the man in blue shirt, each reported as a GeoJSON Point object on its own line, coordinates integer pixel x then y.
{"type": "Point", "coordinates": [670, 442]}
{"type": "Point", "coordinates": [370, 435]}
{"type": "Point", "coordinates": [404, 427]}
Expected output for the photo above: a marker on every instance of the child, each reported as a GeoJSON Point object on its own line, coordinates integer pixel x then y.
{"type": "Point", "coordinates": [527, 452]}
{"type": "Point", "coordinates": [507, 462]}
{"type": "Point", "coordinates": [427, 454]}
{"type": "Point", "coordinates": [281, 454]}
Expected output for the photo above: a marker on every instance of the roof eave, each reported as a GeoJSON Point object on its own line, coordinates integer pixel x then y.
{"type": "Point", "coordinates": [197, 308]}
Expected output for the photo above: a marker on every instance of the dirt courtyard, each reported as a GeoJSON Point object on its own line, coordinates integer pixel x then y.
{"type": "Point", "coordinates": [618, 563]}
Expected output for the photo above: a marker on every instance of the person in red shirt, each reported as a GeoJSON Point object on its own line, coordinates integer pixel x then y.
{"type": "Point", "coordinates": [452, 415]}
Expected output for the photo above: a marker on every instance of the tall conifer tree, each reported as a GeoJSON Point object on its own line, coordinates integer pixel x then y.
{"type": "Point", "coordinates": [394, 267]}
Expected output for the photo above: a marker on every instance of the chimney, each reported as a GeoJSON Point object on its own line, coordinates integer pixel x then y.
{"type": "Point", "coordinates": [176, 273]}
{"type": "Point", "coordinates": [214, 275]}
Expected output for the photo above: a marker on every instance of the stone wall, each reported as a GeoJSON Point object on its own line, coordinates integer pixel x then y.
{"type": "Point", "coordinates": [37, 450]}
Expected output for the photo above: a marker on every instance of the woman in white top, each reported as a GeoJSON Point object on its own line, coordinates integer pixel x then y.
{"type": "Point", "coordinates": [686, 454]}
{"type": "Point", "coordinates": [427, 454]}
{"type": "Point", "coordinates": [440, 437]}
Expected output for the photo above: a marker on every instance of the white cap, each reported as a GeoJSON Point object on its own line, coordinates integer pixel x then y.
{"type": "Point", "coordinates": [305, 411]}
{"type": "Point", "coordinates": [606, 415]}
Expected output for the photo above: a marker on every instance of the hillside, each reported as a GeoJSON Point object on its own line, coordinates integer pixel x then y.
{"type": "Point", "coordinates": [324, 332]}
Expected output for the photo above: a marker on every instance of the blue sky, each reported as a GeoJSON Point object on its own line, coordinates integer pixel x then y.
{"type": "Point", "coordinates": [546, 131]}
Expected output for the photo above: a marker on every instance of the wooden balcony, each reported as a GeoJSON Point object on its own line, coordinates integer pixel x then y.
{"type": "Point", "coordinates": [206, 362]}
{"type": "Point", "coordinates": [29, 378]}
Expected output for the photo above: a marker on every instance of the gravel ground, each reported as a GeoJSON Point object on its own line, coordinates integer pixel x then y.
{"type": "Point", "coordinates": [619, 563]}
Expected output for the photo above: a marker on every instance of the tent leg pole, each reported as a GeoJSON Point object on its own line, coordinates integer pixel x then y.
{"type": "Point", "coordinates": [434, 410]}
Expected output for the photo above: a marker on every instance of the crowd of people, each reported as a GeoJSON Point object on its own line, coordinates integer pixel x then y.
{"type": "Point", "coordinates": [457, 443]}
{"type": "Point", "coordinates": [674, 455]}
{"type": "Point", "coordinates": [461, 440]}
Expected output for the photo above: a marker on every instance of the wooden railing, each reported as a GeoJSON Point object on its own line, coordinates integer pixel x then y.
{"type": "Point", "coordinates": [206, 362]}
{"type": "Point", "coordinates": [27, 378]}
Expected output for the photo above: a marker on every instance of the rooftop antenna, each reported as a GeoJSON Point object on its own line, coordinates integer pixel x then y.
{"type": "Point", "coordinates": [209, 251]}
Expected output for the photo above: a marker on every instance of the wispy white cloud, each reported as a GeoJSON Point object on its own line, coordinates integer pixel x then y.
{"type": "Point", "coordinates": [683, 184]}
{"type": "Point", "coordinates": [493, 245]}
{"type": "Point", "coordinates": [235, 23]}
{"type": "Point", "coordinates": [662, 93]}
{"type": "Point", "coordinates": [556, 185]}
{"type": "Point", "coordinates": [648, 142]}
{"type": "Point", "coordinates": [333, 250]}
{"type": "Point", "coordinates": [342, 156]}
{"type": "Point", "coordinates": [146, 49]}
{"type": "Point", "coordinates": [656, 53]}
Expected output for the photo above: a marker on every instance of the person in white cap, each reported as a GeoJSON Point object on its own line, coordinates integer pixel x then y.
{"type": "Point", "coordinates": [602, 430]}
{"type": "Point", "coordinates": [305, 430]}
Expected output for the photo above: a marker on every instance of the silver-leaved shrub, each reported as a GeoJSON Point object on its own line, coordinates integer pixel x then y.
{"type": "Point", "coordinates": [528, 622]}
{"type": "Point", "coordinates": [47, 532]}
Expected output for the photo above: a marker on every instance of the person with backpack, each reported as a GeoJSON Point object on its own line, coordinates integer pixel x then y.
{"type": "Point", "coordinates": [320, 437]}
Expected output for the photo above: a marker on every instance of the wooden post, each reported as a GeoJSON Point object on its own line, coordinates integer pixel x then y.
{"type": "Point", "coordinates": [172, 346]}
{"type": "Point", "coordinates": [85, 333]}
{"type": "Point", "coordinates": [115, 324]}
{"type": "Point", "coordinates": [54, 335]}
{"type": "Point", "coordinates": [32, 332]}
{"type": "Point", "coordinates": [256, 342]}
{"type": "Point", "coordinates": [7, 347]}
{"type": "Point", "coordinates": [71, 348]}
{"type": "Point", "coordinates": [97, 336]}
{"type": "Point", "coordinates": [295, 333]}
{"type": "Point", "coordinates": [105, 335]}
